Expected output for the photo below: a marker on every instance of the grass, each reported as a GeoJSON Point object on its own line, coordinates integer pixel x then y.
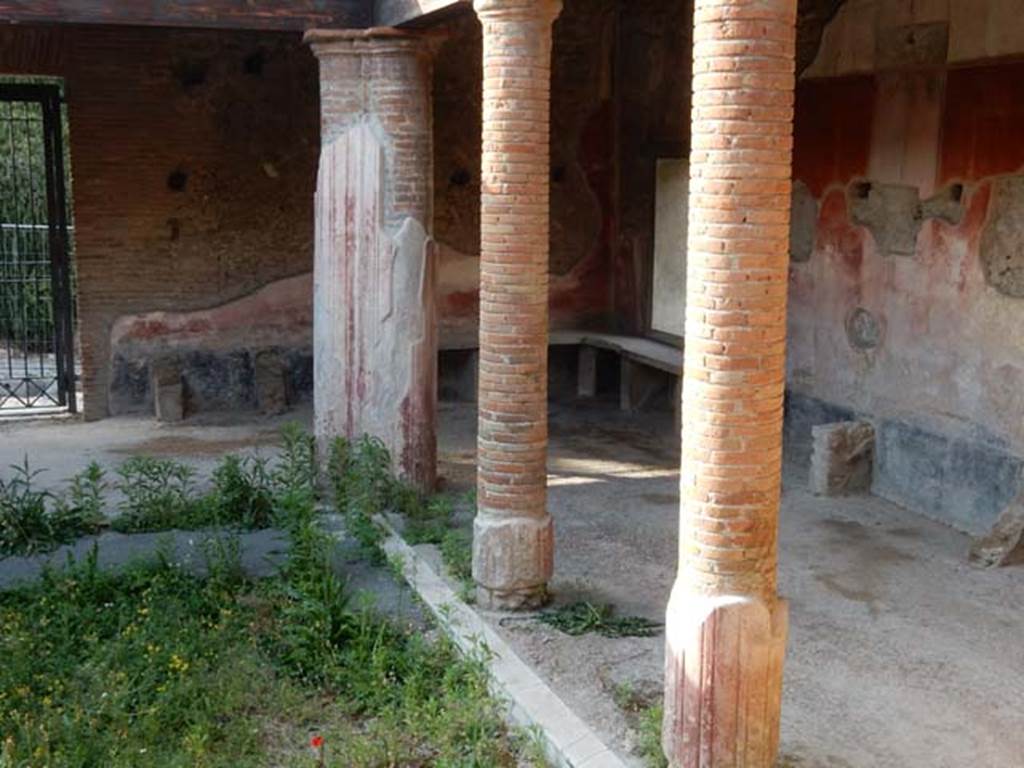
{"type": "Point", "coordinates": [157, 495]}
{"type": "Point", "coordinates": [646, 718]}
{"type": "Point", "coordinates": [582, 618]}
{"type": "Point", "coordinates": [154, 667]}
{"type": "Point", "coordinates": [363, 486]}
{"type": "Point", "coordinates": [34, 520]}
{"type": "Point", "coordinates": [649, 741]}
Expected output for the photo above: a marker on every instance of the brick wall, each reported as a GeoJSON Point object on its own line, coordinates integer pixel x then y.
{"type": "Point", "coordinates": [194, 158]}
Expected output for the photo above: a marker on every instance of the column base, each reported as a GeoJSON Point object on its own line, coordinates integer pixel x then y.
{"type": "Point", "coordinates": [516, 600]}
{"type": "Point", "coordinates": [723, 680]}
{"type": "Point", "coordinates": [513, 559]}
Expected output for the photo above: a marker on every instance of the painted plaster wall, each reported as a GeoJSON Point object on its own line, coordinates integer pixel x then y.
{"type": "Point", "coordinates": [194, 159]}
{"type": "Point", "coordinates": [583, 163]}
{"type": "Point", "coordinates": [900, 308]}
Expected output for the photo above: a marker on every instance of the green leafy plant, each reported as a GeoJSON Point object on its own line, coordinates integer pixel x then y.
{"type": "Point", "coordinates": [81, 509]}
{"type": "Point", "coordinates": [428, 523]}
{"type": "Point", "coordinates": [159, 494]}
{"type": "Point", "coordinates": [649, 741]}
{"type": "Point", "coordinates": [296, 466]}
{"type": "Point", "coordinates": [34, 520]}
{"type": "Point", "coordinates": [155, 666]}
{"type": "Point", "coordinates": [582, 617]}
{"type": "Point", "coordinates": [360, 478]}
{"type": "Point", "coordinates": [243, 493]}
{"type": "Point", "coordinates": [457, 554]}
{"type": "Point", "coordinates": [26, 525]}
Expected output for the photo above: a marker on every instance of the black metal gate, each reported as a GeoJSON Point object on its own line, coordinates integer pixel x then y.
{"type": "Point", "coordinates": [36, 312]}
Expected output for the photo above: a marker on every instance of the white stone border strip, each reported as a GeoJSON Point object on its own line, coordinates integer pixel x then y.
{"type": "Point", "coordinates": [568, 742]}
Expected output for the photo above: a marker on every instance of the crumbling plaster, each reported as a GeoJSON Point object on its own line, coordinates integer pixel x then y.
{"type": "Point", "coordinates": [905, 310]}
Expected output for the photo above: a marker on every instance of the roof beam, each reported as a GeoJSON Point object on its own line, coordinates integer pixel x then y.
{"type": "Point", "coordinates": [222, 14]}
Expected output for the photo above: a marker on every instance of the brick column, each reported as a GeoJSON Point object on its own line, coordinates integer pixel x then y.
{"type": "Point", "coordinates": [726, 628]}
{"type": "Point", "coordinates": [513, 537]}
{"type": "Point", "coordinates": [375, 343]}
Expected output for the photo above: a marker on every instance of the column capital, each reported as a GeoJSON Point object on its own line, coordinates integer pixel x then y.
{"type": "Point", "coordinates": [518, 10]}
{"type": "Point", "coordinates": [375, 41]}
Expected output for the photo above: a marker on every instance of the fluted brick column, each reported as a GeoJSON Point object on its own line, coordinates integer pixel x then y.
{"type": "Point", "coordinates": [375, 342]}
{"type": "Point", "coordinates": [726, 628]}
{"type": "Point", "coordinates": [513, 536]}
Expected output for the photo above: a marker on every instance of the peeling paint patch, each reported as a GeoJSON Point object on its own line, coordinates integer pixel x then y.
{"type": "Point", "coordinates": [1002, 240]}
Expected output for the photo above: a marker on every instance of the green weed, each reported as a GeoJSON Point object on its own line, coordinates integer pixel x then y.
{"type": "Point", "coordinates": [296, 467]}
{"type": "Point", "coordinates": [649, 746]}
{"type": "Point", "coordinates": [159, 494]}
{"type": "Point", "coordinates": [583, 617]}
{"type": "Point", "coordinates": [82, 508]}
{"type": "Point", "coordinates": [154, 667]}
{"type": "Point", "coordinates": [243, 493]}
{"type": "Point", "coordinates": [33, 520]}
{"type": "Point", "coordinates": [360, 478]}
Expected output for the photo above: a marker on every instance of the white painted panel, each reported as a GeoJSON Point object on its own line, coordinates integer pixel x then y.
{"type": "Point", "coordinates": [668, 298]}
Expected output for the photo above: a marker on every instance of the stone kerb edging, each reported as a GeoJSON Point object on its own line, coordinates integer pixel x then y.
{"type": "Point", "coordinates": [568, 742]}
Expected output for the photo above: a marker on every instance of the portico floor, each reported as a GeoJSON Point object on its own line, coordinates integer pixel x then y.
{"type": "Point", "coordinates": [900, 653]}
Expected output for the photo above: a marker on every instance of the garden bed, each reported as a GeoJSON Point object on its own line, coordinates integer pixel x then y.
{"type": "Point", "coordinates": [163, 664]}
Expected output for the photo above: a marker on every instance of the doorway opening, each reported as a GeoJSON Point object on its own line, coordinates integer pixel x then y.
{"type": "Point", "coordinates": [37, 312]}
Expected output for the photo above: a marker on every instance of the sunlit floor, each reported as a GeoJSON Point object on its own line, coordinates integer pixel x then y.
{"type": "Point", "coordinates": [900, 653]}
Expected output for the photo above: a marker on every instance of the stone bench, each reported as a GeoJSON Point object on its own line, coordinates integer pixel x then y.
{"type": "Point", "coordinates": [638, 356]}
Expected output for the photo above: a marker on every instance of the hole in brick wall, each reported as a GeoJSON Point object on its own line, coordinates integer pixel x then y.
{"type": "Point", "coordinates": [862, 189]}
{"type": "Point", "coordinates": [177, 180]}
{"type": "Point", "coordinates": [460, 178]}
{"type": "Point", "coordinates": [253, 64]}
{"type": "Point", "coordinates": [191, 73]}
{"type": "Point", "coordinates": [956, 193]}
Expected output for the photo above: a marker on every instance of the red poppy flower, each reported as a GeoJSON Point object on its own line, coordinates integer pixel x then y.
{"type": "Point", "coordinates": [316, 742]}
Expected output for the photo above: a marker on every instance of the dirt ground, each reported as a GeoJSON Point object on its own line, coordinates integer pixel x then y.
{"type": "Point", "coordinates": [900, 653]}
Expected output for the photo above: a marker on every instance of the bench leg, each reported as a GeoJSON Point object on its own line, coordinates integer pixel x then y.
{"type": "Point", "coordinates": [677, 404]}
{"type": "Point", "coordinates": [627, 374]}
{"type": "Point", "coordinates": [638, 384]}
{"type": "Point", "coordinates": [587, 385]}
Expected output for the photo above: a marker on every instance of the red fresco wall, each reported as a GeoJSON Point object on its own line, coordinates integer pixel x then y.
{"type": "Point", "coordinates": [984, 139]}
{"type": "Point", "coordinates": [950, 343]}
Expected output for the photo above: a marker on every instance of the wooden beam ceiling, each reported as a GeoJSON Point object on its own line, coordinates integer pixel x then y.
{"type": "Point", "coordinates": [279, 15]}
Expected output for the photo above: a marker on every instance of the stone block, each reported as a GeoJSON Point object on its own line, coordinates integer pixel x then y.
{"type": "Point", "coordinates": [963, 481]}
{"type": "Point", "coordinates": [168, 390]}
{"type": "Point", "coordinates": [1004, 544]}
{"type": "Point", "coordinates": [842, 457]}
{"type": "Point", "coordinates": [269, 381]}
